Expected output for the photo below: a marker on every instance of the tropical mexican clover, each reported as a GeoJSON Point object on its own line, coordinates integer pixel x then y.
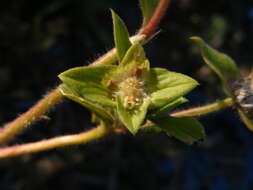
{"type": "Point", "coordinates": [128, 93]}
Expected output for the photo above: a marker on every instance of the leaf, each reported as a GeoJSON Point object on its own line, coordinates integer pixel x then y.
{"type": "Point", "coordinates": [132, 119]}
{"type": "Point", "coordinates": [148, 8]}
{"type": "Point", "coordinates": [162, 111]}
{"type": "Point", "coordinates": [220, 63]}
{"type": "Point", "coordinates": [87, 83]}
{"type": "Point", "coordinates": [168, 86]}
{"type": "Point", "coordinates": [245, 119]}
{"type": "Point", "coordinates": [121, 36]}
{"type": "Point", "coordinates": [96, 108]}
{"type": "Point", "coordinates": [185, 129]}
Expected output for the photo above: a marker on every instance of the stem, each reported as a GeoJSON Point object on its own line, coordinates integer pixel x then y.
{"type": "Point", "coordinates": [150, 28]}
{"type": "Point", "coordinates": [204, 109]}
{"type": "Point", "coordinates": [245, 119]}
{"type": "Point", "coordinates": [32, 115]}
{"type": "Point", "coordinates": [99, 132]}
{"type": "Point", "coordinates": [67, 140]}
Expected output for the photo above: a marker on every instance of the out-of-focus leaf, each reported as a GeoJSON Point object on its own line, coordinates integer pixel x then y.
{"type": "Point", "coordinates": [121, 36]}
{"type": "Point", "coordinates": [87, 83]}
{"type": "Point", "coordinates": [133, 118]}
{"type": "Point", "coordinates": [185, 129]}
{"type": "Point", "coordinates": [168, 86]}
{"type": "Point", "coordinates": [220, 63]}
{"type": "Point", "coordinates": [148, 8]}
{"type": "Point", "coordinates": [100, 111]}
{"type": "Point", "coordinates": [162, 111]}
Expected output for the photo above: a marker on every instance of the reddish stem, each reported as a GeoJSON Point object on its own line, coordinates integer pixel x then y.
{"type": "Point", "coordinates": [150, 28]}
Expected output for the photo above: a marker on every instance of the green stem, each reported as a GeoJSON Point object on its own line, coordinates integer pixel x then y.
{"type": "Point", "coordinates": [99, 132]}
{"type": "Point", "coordinates": [32, 115]}
{"type": "Point", "coordinates": [228, 102]}
{"type": "Point", "coordinates": [245, 119]}
{"type": "Point", "coordinates": [67, 140]}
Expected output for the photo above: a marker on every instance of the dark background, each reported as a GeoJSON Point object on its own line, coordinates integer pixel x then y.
{"type": "Point", "coordinates": [40, 39]}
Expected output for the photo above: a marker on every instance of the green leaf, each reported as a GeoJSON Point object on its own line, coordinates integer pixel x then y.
{"type": "Point", "coordinates": [163, 111]}
{"type": "Point", "coordinates": [148, 8]}
{"type": "Point", "coordinates": [220, 63]}
{"type": "Point", "coordinates": [87, 83]}
{"type": "Point", "coordinates": [246, 120]}
{"type": "Point", "coordinates": [121, 36]}
{"type": "Point", "coordinates": [185, 129]}
{"type": "Point", "coordinates": [168, 86]}
{"type": "Point", "coordinates": [133, 118]}
{"type": "Point", "coordinates": [100, 111]}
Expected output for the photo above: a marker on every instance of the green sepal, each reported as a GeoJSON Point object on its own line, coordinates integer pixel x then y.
{"type": "Point", "coordinates": [134, 59]}
{"type": "Point", "coordinates": [121, 36]}
{"type": "Point", "coordinates": [133, 118]}
{"type": "Point", "coordinates": [87, 82]}
{"type": "Point", "coordinates": [223, 65]}
{"type": "Point", "coordinates": [148, 8]}
{"type": "Point", "coordinates": [185, 129]}
{"type": "Point", "coordinates": [164, 110]}
{"type": "Point", "coordinates": [99, 110]}
{"type": "Point", "coordinates": [168, 86]}
{"type": "Point", "coordinates": [135, 53]}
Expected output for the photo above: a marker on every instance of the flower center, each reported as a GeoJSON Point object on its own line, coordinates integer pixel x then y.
{"type": "Point", "coordinates": [132, 92]}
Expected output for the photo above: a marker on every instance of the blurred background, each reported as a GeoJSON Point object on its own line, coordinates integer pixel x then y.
{"type": "Point", "coordinates": [40, 39]}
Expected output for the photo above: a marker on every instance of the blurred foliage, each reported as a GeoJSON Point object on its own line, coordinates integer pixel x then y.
{"type": "Point", "coordinates": [40, 39]}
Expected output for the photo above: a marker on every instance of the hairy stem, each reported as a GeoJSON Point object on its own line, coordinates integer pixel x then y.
{"type": "Point", "coordinates": [67, 140]}
{"type": "Point", "coordinates": [228, 102]}
{"type": "Point", "coordinates": [99, 132]}
{"type": "Point", "coordinates": [32, 115]}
